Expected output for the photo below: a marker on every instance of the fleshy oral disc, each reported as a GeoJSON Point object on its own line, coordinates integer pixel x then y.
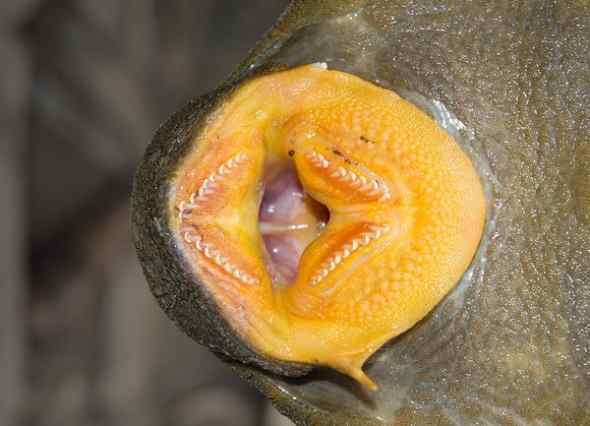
{"type": "Point", "coordinates": [324, 216]}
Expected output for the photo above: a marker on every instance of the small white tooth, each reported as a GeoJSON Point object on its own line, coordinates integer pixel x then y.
{"type": "Point", "coordinates": [363, 180]}
{"type": "Point", "coordinates": [341, 171]}
{"type": "Point", "coordinates": [355, 244]}
{"type": "Point", "coordinates": [337, 258]}
{"type": "Point", "coordinates": [346, 253]}
{"type": "Point", "coordinates": [208, 252]}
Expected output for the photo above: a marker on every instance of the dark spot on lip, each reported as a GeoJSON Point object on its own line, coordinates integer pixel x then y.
{"type": "Point", "coordinates": [291, 153]}
{"type": "Point", "coordinates": [366, 140]}
{"type": "Point", "coordinates": [335, 151]}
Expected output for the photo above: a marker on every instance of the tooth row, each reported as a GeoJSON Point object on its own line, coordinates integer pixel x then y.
{"type": "Point", "coordinates": [208, 185]}
{"type": "Point", "coordinates": [364, 239]}
{"type": "Point", "coordinates": [211, 253]}
{"type": "Point", "coordinates": [318, 159]}
{"type": "Point", "coordinates": [355, 180]}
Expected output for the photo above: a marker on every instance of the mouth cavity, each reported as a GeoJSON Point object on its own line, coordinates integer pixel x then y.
{"type": "Point", "coordinates": [289, 220]}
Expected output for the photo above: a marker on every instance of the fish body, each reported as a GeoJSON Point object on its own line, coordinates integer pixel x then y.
{"type": "Point", "coordinates": [511, 344]}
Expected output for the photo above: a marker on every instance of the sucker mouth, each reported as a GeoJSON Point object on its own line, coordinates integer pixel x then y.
{"type": "Point", "coordinates": [326, 218]}
{"type": "Point", "coordinates": [289, 220]}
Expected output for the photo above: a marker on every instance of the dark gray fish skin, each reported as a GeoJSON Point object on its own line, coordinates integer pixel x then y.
{"type": "Point", "coordinates": [514, 347]}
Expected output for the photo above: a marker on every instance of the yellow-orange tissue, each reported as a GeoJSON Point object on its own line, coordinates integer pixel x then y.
{"type": "Point", "coordinates": [406, 215]}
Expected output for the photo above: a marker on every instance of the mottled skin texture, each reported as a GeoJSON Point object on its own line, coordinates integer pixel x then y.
{"type": "Point", "coordinates": [514, 347]}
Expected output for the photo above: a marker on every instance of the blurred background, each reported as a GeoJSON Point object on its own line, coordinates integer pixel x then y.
{"type": "Point", "coordinates": [84, 85]}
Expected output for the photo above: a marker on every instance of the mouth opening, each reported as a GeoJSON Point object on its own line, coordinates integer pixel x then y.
{"type": "Point", "coordinates": [289, 220]}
